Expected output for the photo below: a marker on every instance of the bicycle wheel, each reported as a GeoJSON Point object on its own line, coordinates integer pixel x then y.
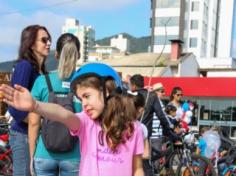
{"type": "Point", "coordinates": [229, 171]}
{"type": "Point", "coordinates": [160, 150]}
{"type": "Point", "coordinates": [175, 161]}
{"type": "Point", "coordinates": [199, 166]}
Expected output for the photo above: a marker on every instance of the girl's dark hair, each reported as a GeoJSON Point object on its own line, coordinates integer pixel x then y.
{"type": "Point", "coordinates": [174, 91]}
{"type": "Point", "coordinates": [118, 115]}
{"type": "Point", "coordinates": [68, 49]}
{"type": "Point", "coordinates": [28, 38]}
{"type": "Point", "coordinates": [170, 108]}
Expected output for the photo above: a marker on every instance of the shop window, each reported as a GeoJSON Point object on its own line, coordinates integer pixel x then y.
{"type": "Point", "coordinates": [204, 109]}
{"type": "Point", "coordinates": [221, 110]}
{"type": "Point", "coordinates": [233, 109]}
{"type": "Point", "coordinates": [233, 132]}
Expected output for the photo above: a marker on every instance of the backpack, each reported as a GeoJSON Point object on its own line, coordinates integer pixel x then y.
{"type": "Point", "coordinates": [55, 135]}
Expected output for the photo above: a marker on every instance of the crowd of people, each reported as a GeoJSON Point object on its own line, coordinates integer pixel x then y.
{"type": "Point", "coordinates": [114, 123]}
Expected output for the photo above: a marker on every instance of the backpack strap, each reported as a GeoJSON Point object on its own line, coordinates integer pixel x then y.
{"type": "Point", "coordinates": [48, 83]}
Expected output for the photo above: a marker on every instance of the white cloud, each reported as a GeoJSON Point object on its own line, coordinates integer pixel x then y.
{"type": "Point", "coordinates": [53, 18]}
{"type": "Point", "coordinates": [12, 25]}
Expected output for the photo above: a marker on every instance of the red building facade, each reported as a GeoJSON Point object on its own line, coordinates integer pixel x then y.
{"type": "Point", "coordinates": [214, 97]}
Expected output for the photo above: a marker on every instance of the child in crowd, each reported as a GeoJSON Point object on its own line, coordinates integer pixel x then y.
{"type": "Point", "coordinates": [202, 145]}
{"type": "Point", "coordinates": [171, 113]}
{"type": "Point", "coordinates": [111, 140]}
{"type": "Point", "coordinates": [139, 103]}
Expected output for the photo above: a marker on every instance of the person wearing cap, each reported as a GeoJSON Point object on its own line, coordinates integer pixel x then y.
{"type": "Point", "coordinates": [159, 90]}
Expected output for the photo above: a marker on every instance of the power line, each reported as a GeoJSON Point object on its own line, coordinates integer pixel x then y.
{"type": "Point", "coordinates": [38, 8]}
{"type": "Point", "coordinates": [154, 66]}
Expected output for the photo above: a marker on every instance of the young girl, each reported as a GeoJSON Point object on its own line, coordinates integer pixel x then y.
{"type": "Point", "coordinates": [139, 103]}
{"type": "Point", "coordinates": [111, 140]}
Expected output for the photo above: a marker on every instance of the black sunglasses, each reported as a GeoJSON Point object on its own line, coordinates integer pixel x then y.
{"type": "Point", "coordinates": [179, 95]}
{"type": "Point", "coordinates": [160, 90]}
{"type": "Point", "coordinates": [45, 40]}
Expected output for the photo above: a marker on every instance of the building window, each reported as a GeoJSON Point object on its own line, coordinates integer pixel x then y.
{"type": "Point", "coordinates": [218, 112]}
{"type": "Point", "coordinates": [193, 42]}
{"type": "Point", "coordinates": [194, 24]}
{"type": "Point", "coordinates": [186, 6]}
{"type": "Point", "coordinates": [168, 21]}
{"type": "Point", "coordinates": [195, 6]}
{"type": "Point", "coordinates": [160, 39]}
{"type": "Point", "coordinates": [168, 4]}
{"type": "Point", "coordinates": [203, 48]}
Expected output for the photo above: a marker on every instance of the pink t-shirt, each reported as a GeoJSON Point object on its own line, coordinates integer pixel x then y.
{"type": "Point", "coordinates": [99, 160]}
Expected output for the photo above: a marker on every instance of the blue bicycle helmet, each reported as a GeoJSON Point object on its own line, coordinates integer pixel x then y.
{"type": "Point", "coordinates": [96, 69]}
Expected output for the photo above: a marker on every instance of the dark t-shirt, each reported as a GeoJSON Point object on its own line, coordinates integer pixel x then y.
{"type": "Point", "coordinates": [24, 74]}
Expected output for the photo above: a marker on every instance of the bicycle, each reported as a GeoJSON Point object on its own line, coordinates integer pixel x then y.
{"type": "Point", "coordinates": [161, 152]}
{"type": "Point", "coordinates": [226, 165]}
{"type": "Point", "coordinates": [190, 164]}
{"type": "Point", "coordinates": [6, 167]}
{"type": "Point", "coordinates": [225, 161]}
{"type": "Point", "coordinates": [179, 159]}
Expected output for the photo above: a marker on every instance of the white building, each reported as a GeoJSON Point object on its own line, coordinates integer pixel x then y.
{"type": "Point", "coordinates": [85, 34]}
{"type": "Point", "coordinates": [217, 67]}
{"type": "Point", "coordinates": [98, 53]}
{"type": "Point", "coordinates": [225, 39]}
{"type": "Point", "coordinates": [205, 26]}
{"type": "Point", "coordinates": [121, 43]}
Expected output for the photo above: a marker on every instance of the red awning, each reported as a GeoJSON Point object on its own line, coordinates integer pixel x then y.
{"type": "Point", "coordinates": [198, 86]}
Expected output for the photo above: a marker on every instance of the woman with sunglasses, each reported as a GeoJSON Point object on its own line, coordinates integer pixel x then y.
{"type": "Point", "coordinates": [175, 99]}
{"type": "Point", "coordinates": [34, 47]}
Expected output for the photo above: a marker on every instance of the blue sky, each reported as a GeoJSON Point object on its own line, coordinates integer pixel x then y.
{"type": "Point", "coordinates": [107, 17]}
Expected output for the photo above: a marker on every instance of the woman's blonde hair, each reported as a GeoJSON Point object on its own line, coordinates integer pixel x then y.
{"type": "Point", "coordinates": [68, 48]}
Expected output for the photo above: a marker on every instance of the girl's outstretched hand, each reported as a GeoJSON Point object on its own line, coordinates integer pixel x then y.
{"type": "Point", "coordinates": [17, 97]}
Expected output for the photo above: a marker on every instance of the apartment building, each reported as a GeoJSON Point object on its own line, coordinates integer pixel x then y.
{"type": "Point", "coordinates": [120, 42]}
{"type": "Point", "coordinates": [85, 34]}
{"type": "Point", "coordinates": [205, 26]}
